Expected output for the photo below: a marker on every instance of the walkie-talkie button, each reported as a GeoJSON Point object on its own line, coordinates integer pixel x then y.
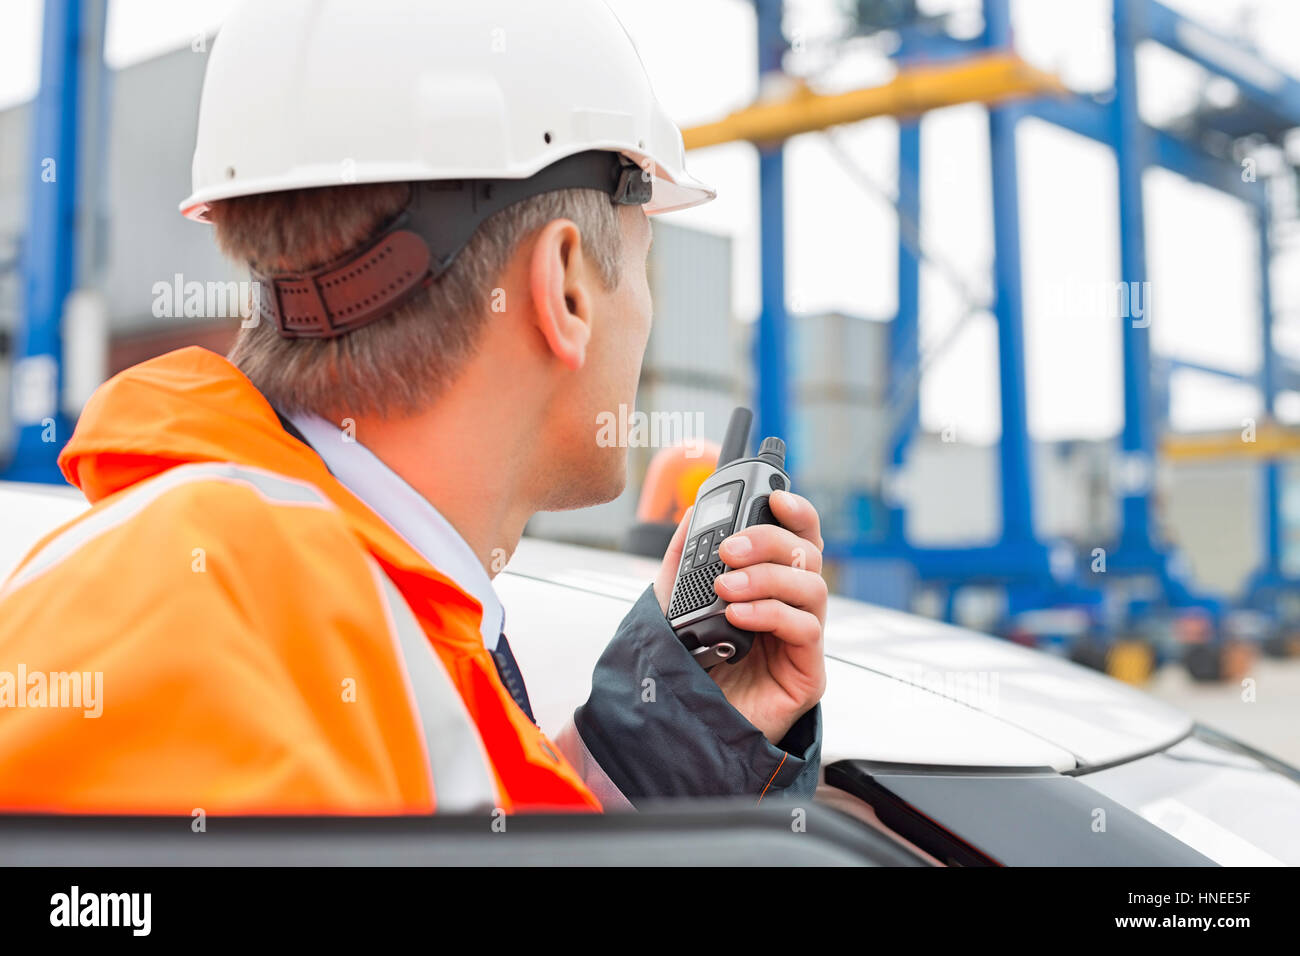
{"type": "Point", "coordinates": [776, 482]}
{"type": "Point", "coordinates": [702, 554]}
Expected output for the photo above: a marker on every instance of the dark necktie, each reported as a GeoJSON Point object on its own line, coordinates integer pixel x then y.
{"type": "Point", "coordinates": [511, 676]}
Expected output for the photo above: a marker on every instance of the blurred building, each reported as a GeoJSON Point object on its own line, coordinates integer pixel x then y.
{"type": "Point", "coordinates": [137, 236]}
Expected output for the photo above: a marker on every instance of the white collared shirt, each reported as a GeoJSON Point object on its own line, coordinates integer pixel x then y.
{"type": "Point", "coordinates": [408, 513]}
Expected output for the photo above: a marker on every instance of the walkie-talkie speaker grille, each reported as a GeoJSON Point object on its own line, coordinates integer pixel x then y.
{"type": "Point", "coordinates": [695, 590]}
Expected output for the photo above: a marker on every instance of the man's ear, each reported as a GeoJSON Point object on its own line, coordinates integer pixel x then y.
{"type": "Point", "coordinates": [558, 282]}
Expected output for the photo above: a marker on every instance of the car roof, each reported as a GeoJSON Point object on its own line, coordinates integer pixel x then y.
{"type": "Point", "coordinates": [28, 512]}
{"type": "Point", "coordinates": [900, 688]}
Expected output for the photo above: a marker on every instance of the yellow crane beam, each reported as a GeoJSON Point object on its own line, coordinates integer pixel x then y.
{"type": "Point", "coordinates": [986, 78]}
{"type": "Point", "coordinates": [1265, 443]}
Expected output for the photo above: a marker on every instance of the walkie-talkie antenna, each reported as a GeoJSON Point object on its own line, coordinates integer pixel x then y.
{"type": "Point", "coordinates": [736, 443]}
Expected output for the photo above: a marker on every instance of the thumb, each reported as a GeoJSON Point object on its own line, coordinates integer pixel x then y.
{"type": "Point", "coordinates": [672, 558]}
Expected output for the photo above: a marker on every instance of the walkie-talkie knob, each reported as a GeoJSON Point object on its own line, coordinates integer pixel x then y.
{"type": "Point", "coordinates": [772, 451]}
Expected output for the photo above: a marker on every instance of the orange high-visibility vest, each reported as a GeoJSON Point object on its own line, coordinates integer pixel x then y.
{"type": "Point", "coordinates": [261, 641]}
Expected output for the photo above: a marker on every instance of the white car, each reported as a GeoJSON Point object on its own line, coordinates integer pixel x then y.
{"type": "Point", "coordinates": [958, 748]}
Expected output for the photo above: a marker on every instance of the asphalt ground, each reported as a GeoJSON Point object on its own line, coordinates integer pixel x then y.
{"type": "Point", "coordinates": [1270, 723]}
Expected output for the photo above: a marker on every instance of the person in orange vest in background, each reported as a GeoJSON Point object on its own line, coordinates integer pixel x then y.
{"type": "Point", "coordinates": [285, 579]}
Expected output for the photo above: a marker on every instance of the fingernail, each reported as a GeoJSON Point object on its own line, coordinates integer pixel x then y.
{"type": "Point", "coordinates": [743, 611]}
{"type": "Point", "coordinates": [738, 545]}
{"type": "Point", "coordinates": [791, 502]}
{"type": "Point", "coordinates": [735, 580]}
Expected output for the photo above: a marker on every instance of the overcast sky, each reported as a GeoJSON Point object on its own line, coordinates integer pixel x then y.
{"type": "Point", "coordinates": [841, 238]}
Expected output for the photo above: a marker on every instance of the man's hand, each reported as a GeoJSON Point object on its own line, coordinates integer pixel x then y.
{"type": "Point", "coordinates": [775, 587]}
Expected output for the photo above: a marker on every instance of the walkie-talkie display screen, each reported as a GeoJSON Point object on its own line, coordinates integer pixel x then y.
{"type": "Point", "coordinates": [717, 506]}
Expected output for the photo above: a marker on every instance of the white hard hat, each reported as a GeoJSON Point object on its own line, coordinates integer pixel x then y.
{"type": "Point", "coordinates": [306, 93]}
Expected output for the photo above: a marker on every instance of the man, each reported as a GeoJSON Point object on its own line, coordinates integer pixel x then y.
{"type": "Point", "coordinates": [285, 579]}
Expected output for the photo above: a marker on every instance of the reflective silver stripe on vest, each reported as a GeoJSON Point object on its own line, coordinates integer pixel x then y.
{"type": "Point", "coordinates": [462, 777]}
{"type": "Point", "coordinates": [272, 487]}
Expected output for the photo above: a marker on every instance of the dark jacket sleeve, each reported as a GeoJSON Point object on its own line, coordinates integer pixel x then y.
{"type": "Point", "coordinates": [659, 726]}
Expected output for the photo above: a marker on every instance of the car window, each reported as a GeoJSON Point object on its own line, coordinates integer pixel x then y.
{"type": "Point", "coordinates": [995, 816]}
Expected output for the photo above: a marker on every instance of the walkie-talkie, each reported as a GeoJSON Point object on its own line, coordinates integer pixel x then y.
{"type": "Point", "coordinates": [732, 498]}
